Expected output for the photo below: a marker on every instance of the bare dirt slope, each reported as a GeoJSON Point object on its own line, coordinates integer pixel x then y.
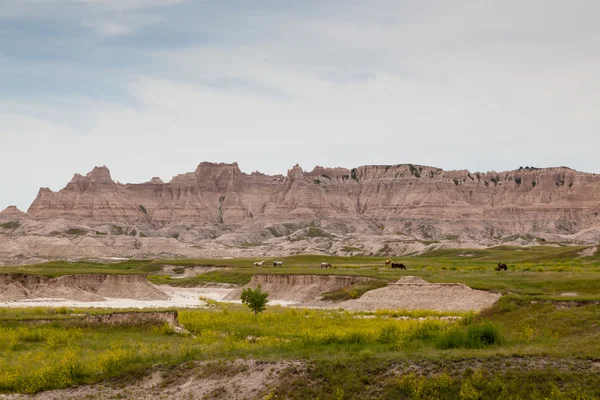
{"type": "Point", "coordinates": [82, 287]}
{"type": "Point", "coordinates": [414, 293]}
{"type": "Point", "coordinates": [298, 288]}
{"type": "Point", "coordinates": [243, 379]}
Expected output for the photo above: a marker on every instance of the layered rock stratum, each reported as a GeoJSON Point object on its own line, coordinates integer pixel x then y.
{"type": "Point", "coordinates": [218, 210]}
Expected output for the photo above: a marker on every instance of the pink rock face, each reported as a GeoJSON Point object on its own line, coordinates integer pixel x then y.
{"type": "Point", "coordinates": [12, 213]}
{"type": "Point", "coordinates": [424, 202]}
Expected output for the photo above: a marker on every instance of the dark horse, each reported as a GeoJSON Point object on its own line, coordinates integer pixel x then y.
{"type": "Point", "coordinates": [501, 267]}
{"type": "Point", "coordinates": [401, 266]}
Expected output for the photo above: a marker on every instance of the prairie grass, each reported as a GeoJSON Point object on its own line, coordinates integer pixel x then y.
{"type": "Point", "coordinates": [533, 271]}
{"type": "Point", "coordinates": [348, 352]}
{"type": "Point", "coordinates": [65, 352]}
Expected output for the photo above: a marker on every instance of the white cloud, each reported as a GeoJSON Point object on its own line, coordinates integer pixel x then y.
{"type": "Point", "coordinates": [454, 88]}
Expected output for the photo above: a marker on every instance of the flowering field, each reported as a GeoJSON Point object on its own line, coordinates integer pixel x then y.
{"type": "Point", "coordinates": [64, 352]}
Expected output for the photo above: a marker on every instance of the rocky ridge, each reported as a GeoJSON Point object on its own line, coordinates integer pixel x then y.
{"type": "Point", "coordinates": [218, 210]}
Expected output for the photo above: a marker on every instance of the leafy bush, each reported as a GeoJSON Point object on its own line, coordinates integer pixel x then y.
{"type": "Point", "coordinates": [255, 299]}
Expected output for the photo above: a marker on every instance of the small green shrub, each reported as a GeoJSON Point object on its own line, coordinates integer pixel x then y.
{"type": "Point", "coordinates": [255, 299]}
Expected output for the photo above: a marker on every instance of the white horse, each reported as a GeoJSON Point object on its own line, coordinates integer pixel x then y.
{"type": "Point", "coordinates": [258, 263]}
{"type": "Point", "coordinates": [326, 265]}
{"type": "Point", "coordinates": [278, 263]}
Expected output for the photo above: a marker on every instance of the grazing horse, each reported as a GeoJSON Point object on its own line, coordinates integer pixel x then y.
{"type": "Point", "coordinates": [387, 262]}
{"type": "Point", "coordinates": [326, 265]}
{"type": "Point", "coordinates": [258, 263]}
{"type": "Point", "coordinates": [501, 267]}
{"type": "Point", "coordinates": [278, 263]}
{"type": "Point", "coordinates": [400, 265]}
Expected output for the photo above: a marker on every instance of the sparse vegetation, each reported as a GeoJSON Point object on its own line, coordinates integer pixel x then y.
{"type": "Point", "coordinates": [76, 231]}
{"type": "Point", "coordinates": [12, 225]}
{"type": "Point", "coordinates": [353, 174]}
{"type": "Point", "coordinates": [354, 291]}
{"type": "Point", "coordinates": [349, 249]}
{"type": "Point", "coordinates": [118, 230]}
{"type": "Point", "coordinates": [414, 171]}
{"type": "Point", "coordinates": [142, 209]}
{"type": "Point", "coordinates": [313, 232]}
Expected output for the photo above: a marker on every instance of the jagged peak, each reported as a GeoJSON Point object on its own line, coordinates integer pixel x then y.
{"type": "Point", "coordinates": [99, 174]}
{"type": "Point", "coordinates": [209, 164]}
{"type": "Point", "coordinates": [295, 172]}
{"type": "Point", "coordinates": [13, 212]}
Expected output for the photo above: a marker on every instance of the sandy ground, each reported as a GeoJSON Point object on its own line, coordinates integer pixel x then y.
{"type": "Point", "coordinates": [178, 298]}
{"type": "Point", "coordinates": [408, 293]}
{"type": "Point", "coordinates": [241, 379]}
{"type": "Point", "coordinates": [414, 293]}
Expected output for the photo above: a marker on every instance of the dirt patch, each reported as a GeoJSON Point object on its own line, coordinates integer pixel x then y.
{"type": "Point", "coordinates": [590, 251]}
{"type": "Point", "coordinates": [241, 379]}
{"type": "Point", "coordinates": [298, 288]}
{"type": "Point", "coordinates": [252, 379]}
{"type": "Point", "coordinates": [83, 287]}
{"type": "Point", "coordinates": [414, 293]}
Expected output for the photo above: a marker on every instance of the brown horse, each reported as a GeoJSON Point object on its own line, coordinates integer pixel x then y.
{"type": "Point", "coordinates": [501, 267]}
{"type": "Point", "coordinates": [387, 262]}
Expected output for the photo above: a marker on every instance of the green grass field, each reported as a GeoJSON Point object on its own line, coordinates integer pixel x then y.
{"type": "Point", "coordinates": [542, 271]}
{"type": "Point", "coordinates": [534, 343]}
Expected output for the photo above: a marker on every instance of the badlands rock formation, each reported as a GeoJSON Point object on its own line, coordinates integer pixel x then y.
{"type": "Point", "coordinates": [414, 293]}
{"type": "Point", "coordinates": [83, 287]}
{"type": "Point", "coordinates": [218, 210]}
{"type": "Point", "coordinates": [298, 288]}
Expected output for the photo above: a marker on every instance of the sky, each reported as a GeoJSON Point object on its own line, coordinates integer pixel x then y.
{"type": "Point", "coordinates": [154, 87]}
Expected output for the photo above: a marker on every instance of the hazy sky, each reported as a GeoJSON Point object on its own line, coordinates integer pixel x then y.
{"type": "Point", "coordinates": [153, 87]}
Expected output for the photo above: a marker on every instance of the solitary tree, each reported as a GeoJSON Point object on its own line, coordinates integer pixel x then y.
{"type": "Point", "coordinates": [255, 299]}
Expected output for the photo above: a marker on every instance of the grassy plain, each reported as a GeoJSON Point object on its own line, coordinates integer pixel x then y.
{"type": "Point", "coordinates": [534, 343]}
{"type": "Point", "coordinates": [541, 271]}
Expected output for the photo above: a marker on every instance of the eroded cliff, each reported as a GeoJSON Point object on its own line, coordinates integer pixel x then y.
{"type": "Point", "coordinates": [370, 209]}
